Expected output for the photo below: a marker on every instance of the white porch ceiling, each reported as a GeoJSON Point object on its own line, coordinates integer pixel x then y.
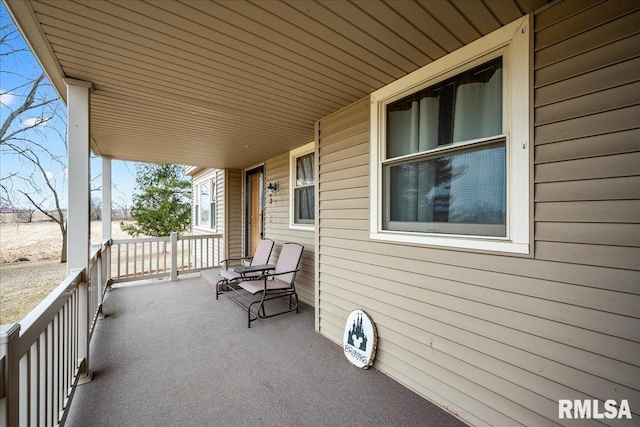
{"type": "Point", "coordinates": [229, 84]}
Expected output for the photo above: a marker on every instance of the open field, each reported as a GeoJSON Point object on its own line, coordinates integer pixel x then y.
{"type": "Point", "coordinates": [36, 241]}
{"type": "Point", "coordinates": [24, 284]}
{"type": "Point", "coordinates": [42, 240]}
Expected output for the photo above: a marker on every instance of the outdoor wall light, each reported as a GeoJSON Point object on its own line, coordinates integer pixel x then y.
{"type": "Point", "coordinates": [272, 187]}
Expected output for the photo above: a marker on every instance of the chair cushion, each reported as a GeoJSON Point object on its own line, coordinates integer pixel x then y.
{"type": "Point", "coordinates": [229, 274]}
{"type": "Point", "coordinates": [258, 285]}
{"type": "Point", "coordinates": [233, 275]}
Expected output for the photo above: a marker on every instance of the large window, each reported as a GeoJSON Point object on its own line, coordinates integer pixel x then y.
{"type": "Point", "coordinates": [444, 170]}
{"type": "Point", "coordinates": [450, 148]}
{"type": "Point", "coordinates": [302, 186]}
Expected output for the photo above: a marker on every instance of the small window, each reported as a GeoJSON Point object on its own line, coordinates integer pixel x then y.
{"type": "Point", "coordinates": [205, 204]}
{"type": "Point", "coordinates": [205, 207]}
{"type": "Point", "coordinates": [302, 162]}
{"type": "Point", "coordinates": [450, 152]}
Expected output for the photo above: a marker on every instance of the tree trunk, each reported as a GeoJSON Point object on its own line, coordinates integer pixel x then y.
{"type": "Point", "coordinates": [63, 255]}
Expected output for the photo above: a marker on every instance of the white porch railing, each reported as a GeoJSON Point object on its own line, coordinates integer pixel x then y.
{"type": "Point", "coordinates": [154, 257]}
{"type": "Point", "coordinates": [43, 357]}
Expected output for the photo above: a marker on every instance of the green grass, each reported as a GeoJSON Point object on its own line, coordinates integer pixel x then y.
{"type": "Point", "coordinates": [24, 285]}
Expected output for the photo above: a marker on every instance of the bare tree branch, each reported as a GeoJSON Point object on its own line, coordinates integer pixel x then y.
{"type": "Point", "coordinates": [26, 106]}
{"type": "Point", "coordinates": [28, 154]}
{"type": "Point", "coordinates": [26, 132]}
{"type": "Point", "coordinates": [9, 37]}
{"type": "Point", "coordinates": [15, 149]}
{"type": "Point", "coordinates": [39, 207]}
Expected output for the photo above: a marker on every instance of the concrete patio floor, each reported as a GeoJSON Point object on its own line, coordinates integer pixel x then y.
{"type": "Point", "coordinates": [169, 354]}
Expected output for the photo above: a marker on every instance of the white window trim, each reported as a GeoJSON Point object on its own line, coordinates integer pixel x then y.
{"type": "Point", "coordinates": [293, 155]}
{"type": "Point", "coordinates": [513, 41]}
{"type": "Point", "coordinates": [208, 179]}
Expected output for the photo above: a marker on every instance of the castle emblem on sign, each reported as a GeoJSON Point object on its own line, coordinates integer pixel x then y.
{"type": "Point", "coordinates": [357, 337]}
{"type": "Point", "coordinates": [360, 339]}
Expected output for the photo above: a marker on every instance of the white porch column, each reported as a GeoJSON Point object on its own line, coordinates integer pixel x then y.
{"type": "Point", "coordinates": [106, 198]}
{"type": "Point", "coordinates": [106, 226]}
{"type": "Point", "coordinates": [78, 237]}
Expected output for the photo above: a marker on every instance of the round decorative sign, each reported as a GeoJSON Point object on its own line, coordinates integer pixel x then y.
{"type": "Point", "coordinates": [360, 339]}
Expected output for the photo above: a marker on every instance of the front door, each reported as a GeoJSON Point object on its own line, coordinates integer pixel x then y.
{"type": "Point", "coordinates": [254, 203]}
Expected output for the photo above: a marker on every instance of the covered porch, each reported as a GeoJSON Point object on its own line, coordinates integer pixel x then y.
{"type": "Point", "coordinates": [168, 353]}
{"type": "Point", "coordinates": [494, 334]}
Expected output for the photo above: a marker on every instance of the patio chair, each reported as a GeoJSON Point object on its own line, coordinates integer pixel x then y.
{"type": "Point", "coordinates": [280, 283]}
{"type": "Point", "coordinates": [259, 264]}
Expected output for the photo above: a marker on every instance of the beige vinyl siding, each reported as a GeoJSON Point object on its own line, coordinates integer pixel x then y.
{"type": "Point", "coordinates": [214, 249]}
{"type": "Point", "coordinates": [498, 339]}
{"type": "Point", "coordinates": [228, 213]}
{"type": "Point", "coordinates": [233, 213]}
{"type": "Point", "coordinates": [276, 227]}
{"type": "Point", "coordinates": [220, 198]}
{"type": "Point", "coordinates": [587, 133]}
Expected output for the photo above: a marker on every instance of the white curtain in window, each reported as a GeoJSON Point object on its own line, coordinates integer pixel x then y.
{"type": "Point", "coordinates": [304, 167]}
{"type": "Point", "coordinates": [478, 190]}
{"type": "Point", "coordinates": [412, 131]}
{"type": "Point", "coordinates": [478, 109]}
